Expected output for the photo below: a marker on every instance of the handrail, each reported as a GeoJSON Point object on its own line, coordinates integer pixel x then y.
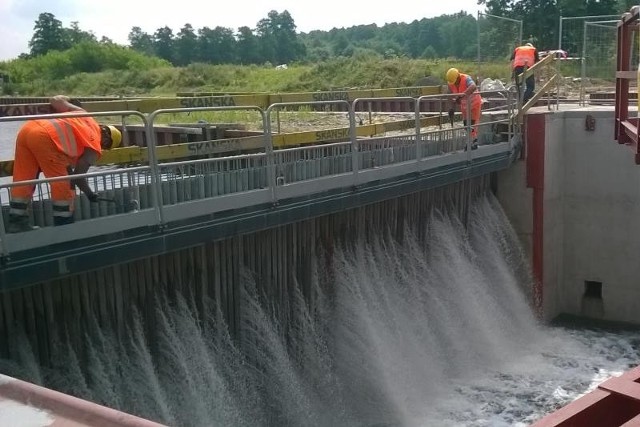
{"type": "Point", "coordinates": [269, 135]}
{"type": "Point", "coordinates": [175, 191]}
{"type": "Point", "coordinates": [542, 65]}
{"type": "Point", "coordinates": [151, 143]}
{"type": "Point", "coordinates": [536, 96]}
{"type": "Point", "coordinates": [530, 70]}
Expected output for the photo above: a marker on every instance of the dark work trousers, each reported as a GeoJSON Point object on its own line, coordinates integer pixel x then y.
{"type": "Point", "coordinates": [531, 84]}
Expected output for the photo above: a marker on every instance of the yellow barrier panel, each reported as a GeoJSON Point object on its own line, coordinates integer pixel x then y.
{"type": "Point", "coordinates": [336, 95]}
{"type": "Point", "coordinates": [263, 100]}
{"type": "Point", "coordinates": [24, 109]}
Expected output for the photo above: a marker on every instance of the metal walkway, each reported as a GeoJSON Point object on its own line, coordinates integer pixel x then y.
{"type": "Point", "coordinates": [157, 206]}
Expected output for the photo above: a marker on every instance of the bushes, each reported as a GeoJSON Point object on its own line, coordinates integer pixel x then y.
{"type": "Point", "coordinates": [84, 57]}
{"type": "Point", "coordinates": [109, 69]}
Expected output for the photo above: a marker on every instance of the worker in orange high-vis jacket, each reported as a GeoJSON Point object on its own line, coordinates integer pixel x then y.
{"type": "Point", "coordinates": [524, 57]}
{"type": "Point", "coordinates": [469, 99]}
{"type": "Point", "coordinates": [57, 147]}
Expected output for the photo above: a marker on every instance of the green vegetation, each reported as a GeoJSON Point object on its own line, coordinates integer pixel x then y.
{"type": "Point", "coordinates": [129, 73]}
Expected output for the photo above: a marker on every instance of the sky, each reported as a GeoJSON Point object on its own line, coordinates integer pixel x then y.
{"type": "Point", "coordinates": [115, 18]}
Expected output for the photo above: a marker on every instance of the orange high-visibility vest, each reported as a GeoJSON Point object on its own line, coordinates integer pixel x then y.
{"type": "Point", "coordinates": [462, 87]}
{"type": "Point", "coordinates": [524, 56]}
{"type": "Point", "coordinates": [72, 135]}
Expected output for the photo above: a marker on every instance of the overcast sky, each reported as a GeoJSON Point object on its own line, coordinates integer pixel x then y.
{"type": "Point", "coordinates": [115, 18]}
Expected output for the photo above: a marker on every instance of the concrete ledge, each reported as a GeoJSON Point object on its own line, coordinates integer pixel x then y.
{"type": "Point", "coordinates": [23, 403]}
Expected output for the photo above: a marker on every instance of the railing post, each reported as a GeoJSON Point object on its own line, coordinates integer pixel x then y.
{"type": "Point", "coordinates": [355, 149]}
{"type": "Point", "coordinates": [583, 65]}
{"type": "Point", "coordinates": [3, 232]}
{"type": "Point", "coordinates": [469, 127]}
{"type": "Point", "coordinates": [268, 148]}
{"type": "Point", "coordinates": [560, 34]}
{"type": "Point", "coordinates": [156, 181]}
{"type": "Point", "coordinates": [418, 138]}
{"type": "Point", "coordinates": [557, 62]}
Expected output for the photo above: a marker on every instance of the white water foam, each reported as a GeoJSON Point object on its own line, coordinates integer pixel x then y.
{"type": "Point", "coordinates": [432, 331]}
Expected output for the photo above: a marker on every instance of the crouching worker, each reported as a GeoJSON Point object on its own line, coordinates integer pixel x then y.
{"type": "Point", "coordinates": [57, 147]}
{"type": "Point", "coordinates": [467, 92]}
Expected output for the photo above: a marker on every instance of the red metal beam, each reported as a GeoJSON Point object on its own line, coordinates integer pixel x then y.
{"type": "Point", "coordinates": [615, 403]}
{"type": "Point", "coordinates": [626, 129]}
{"type": "Point", "coordinates": [535, 141]}
{"type": "Point", "coordinates": [633, 422]}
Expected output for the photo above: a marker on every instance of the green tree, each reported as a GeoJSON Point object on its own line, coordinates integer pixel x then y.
{"type": "Point", "coordinates": [186, 45]}
{"type": "Point", "coordinates": [225, 45]}
{"type": "Point", "coordinates": [248, 47]}
{"type": "Point", "coordinates": [288, 47]}
{"type": "Point", "coordinates": [141, 41]}
{"type": "Point", "coordinates": [75, 35]}
{"type": "Point", "coordinates": [278, 38]}
{"type": "Point", "coordinates": [48, 35]}
{"type": "Point", "coordinates": [217, 46]}
{"type": "Point", "coordinates": [459, 36]}
{"type": "Point", "coordinates": [340, 44]}
{"type": "Point", "coordinates": [164, 44]}
{"type": "Point", "coordinates": [265, 32]}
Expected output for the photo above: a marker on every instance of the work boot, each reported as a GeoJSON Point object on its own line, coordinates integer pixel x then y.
{"type": "Point", "coordinates": [474, 145]}
{"type": "Point", "coordinates": [18, 224]}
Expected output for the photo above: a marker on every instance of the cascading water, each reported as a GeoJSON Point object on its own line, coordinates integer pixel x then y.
{"type": "Point", "coordinates": [434, 330]}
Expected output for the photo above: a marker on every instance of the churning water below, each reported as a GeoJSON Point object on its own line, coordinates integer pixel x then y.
{"type": "Point", "coordinates": [435, 331]}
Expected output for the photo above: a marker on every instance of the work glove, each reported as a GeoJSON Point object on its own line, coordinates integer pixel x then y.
{"type": "Point", "coordinates": [451, 113]}
{"type": "Point", "coordinates": [93, 197]}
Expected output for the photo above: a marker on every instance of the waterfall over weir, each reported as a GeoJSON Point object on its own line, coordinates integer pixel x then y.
{"type": "Point", "coordinates": [394, 329]}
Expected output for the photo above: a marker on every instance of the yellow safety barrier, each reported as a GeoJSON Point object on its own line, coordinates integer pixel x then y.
{"type": "Point", "coordinates": [263, 100]}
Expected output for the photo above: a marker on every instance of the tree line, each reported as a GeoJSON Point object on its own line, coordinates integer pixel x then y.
{"type": "Point", "coordinates": [275, 39]}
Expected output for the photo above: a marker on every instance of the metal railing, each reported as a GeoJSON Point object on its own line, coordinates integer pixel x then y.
{"type": "Point", "coordinates": [546, 70]}
{"type": "Point", "coordinates": [157, 193]}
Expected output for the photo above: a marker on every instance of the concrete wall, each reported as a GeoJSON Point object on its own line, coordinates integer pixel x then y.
{"type": "Point", "coordinates": [590, 213]}
{"type": "Point", "coordinates": [600, 210]}
{"type": "Point", "coordinates": [553, 220]}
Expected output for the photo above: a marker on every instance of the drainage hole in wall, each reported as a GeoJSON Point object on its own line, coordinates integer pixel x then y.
{"type": "Point", "coordinates": [593, 289]}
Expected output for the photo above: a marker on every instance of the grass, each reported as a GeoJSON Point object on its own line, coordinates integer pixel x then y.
{"type": "Point", "coordinates": [369, 72]}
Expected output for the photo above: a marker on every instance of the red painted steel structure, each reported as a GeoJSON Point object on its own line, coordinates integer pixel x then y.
{"type": "Point", "coordinates": [626, 128]}
{"type": "Point", "coordinates": [614, 403]}
{"type": "Point", "coordinates": [535, 142]}
{"type": "Point", "coordinates": [20, 401]}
